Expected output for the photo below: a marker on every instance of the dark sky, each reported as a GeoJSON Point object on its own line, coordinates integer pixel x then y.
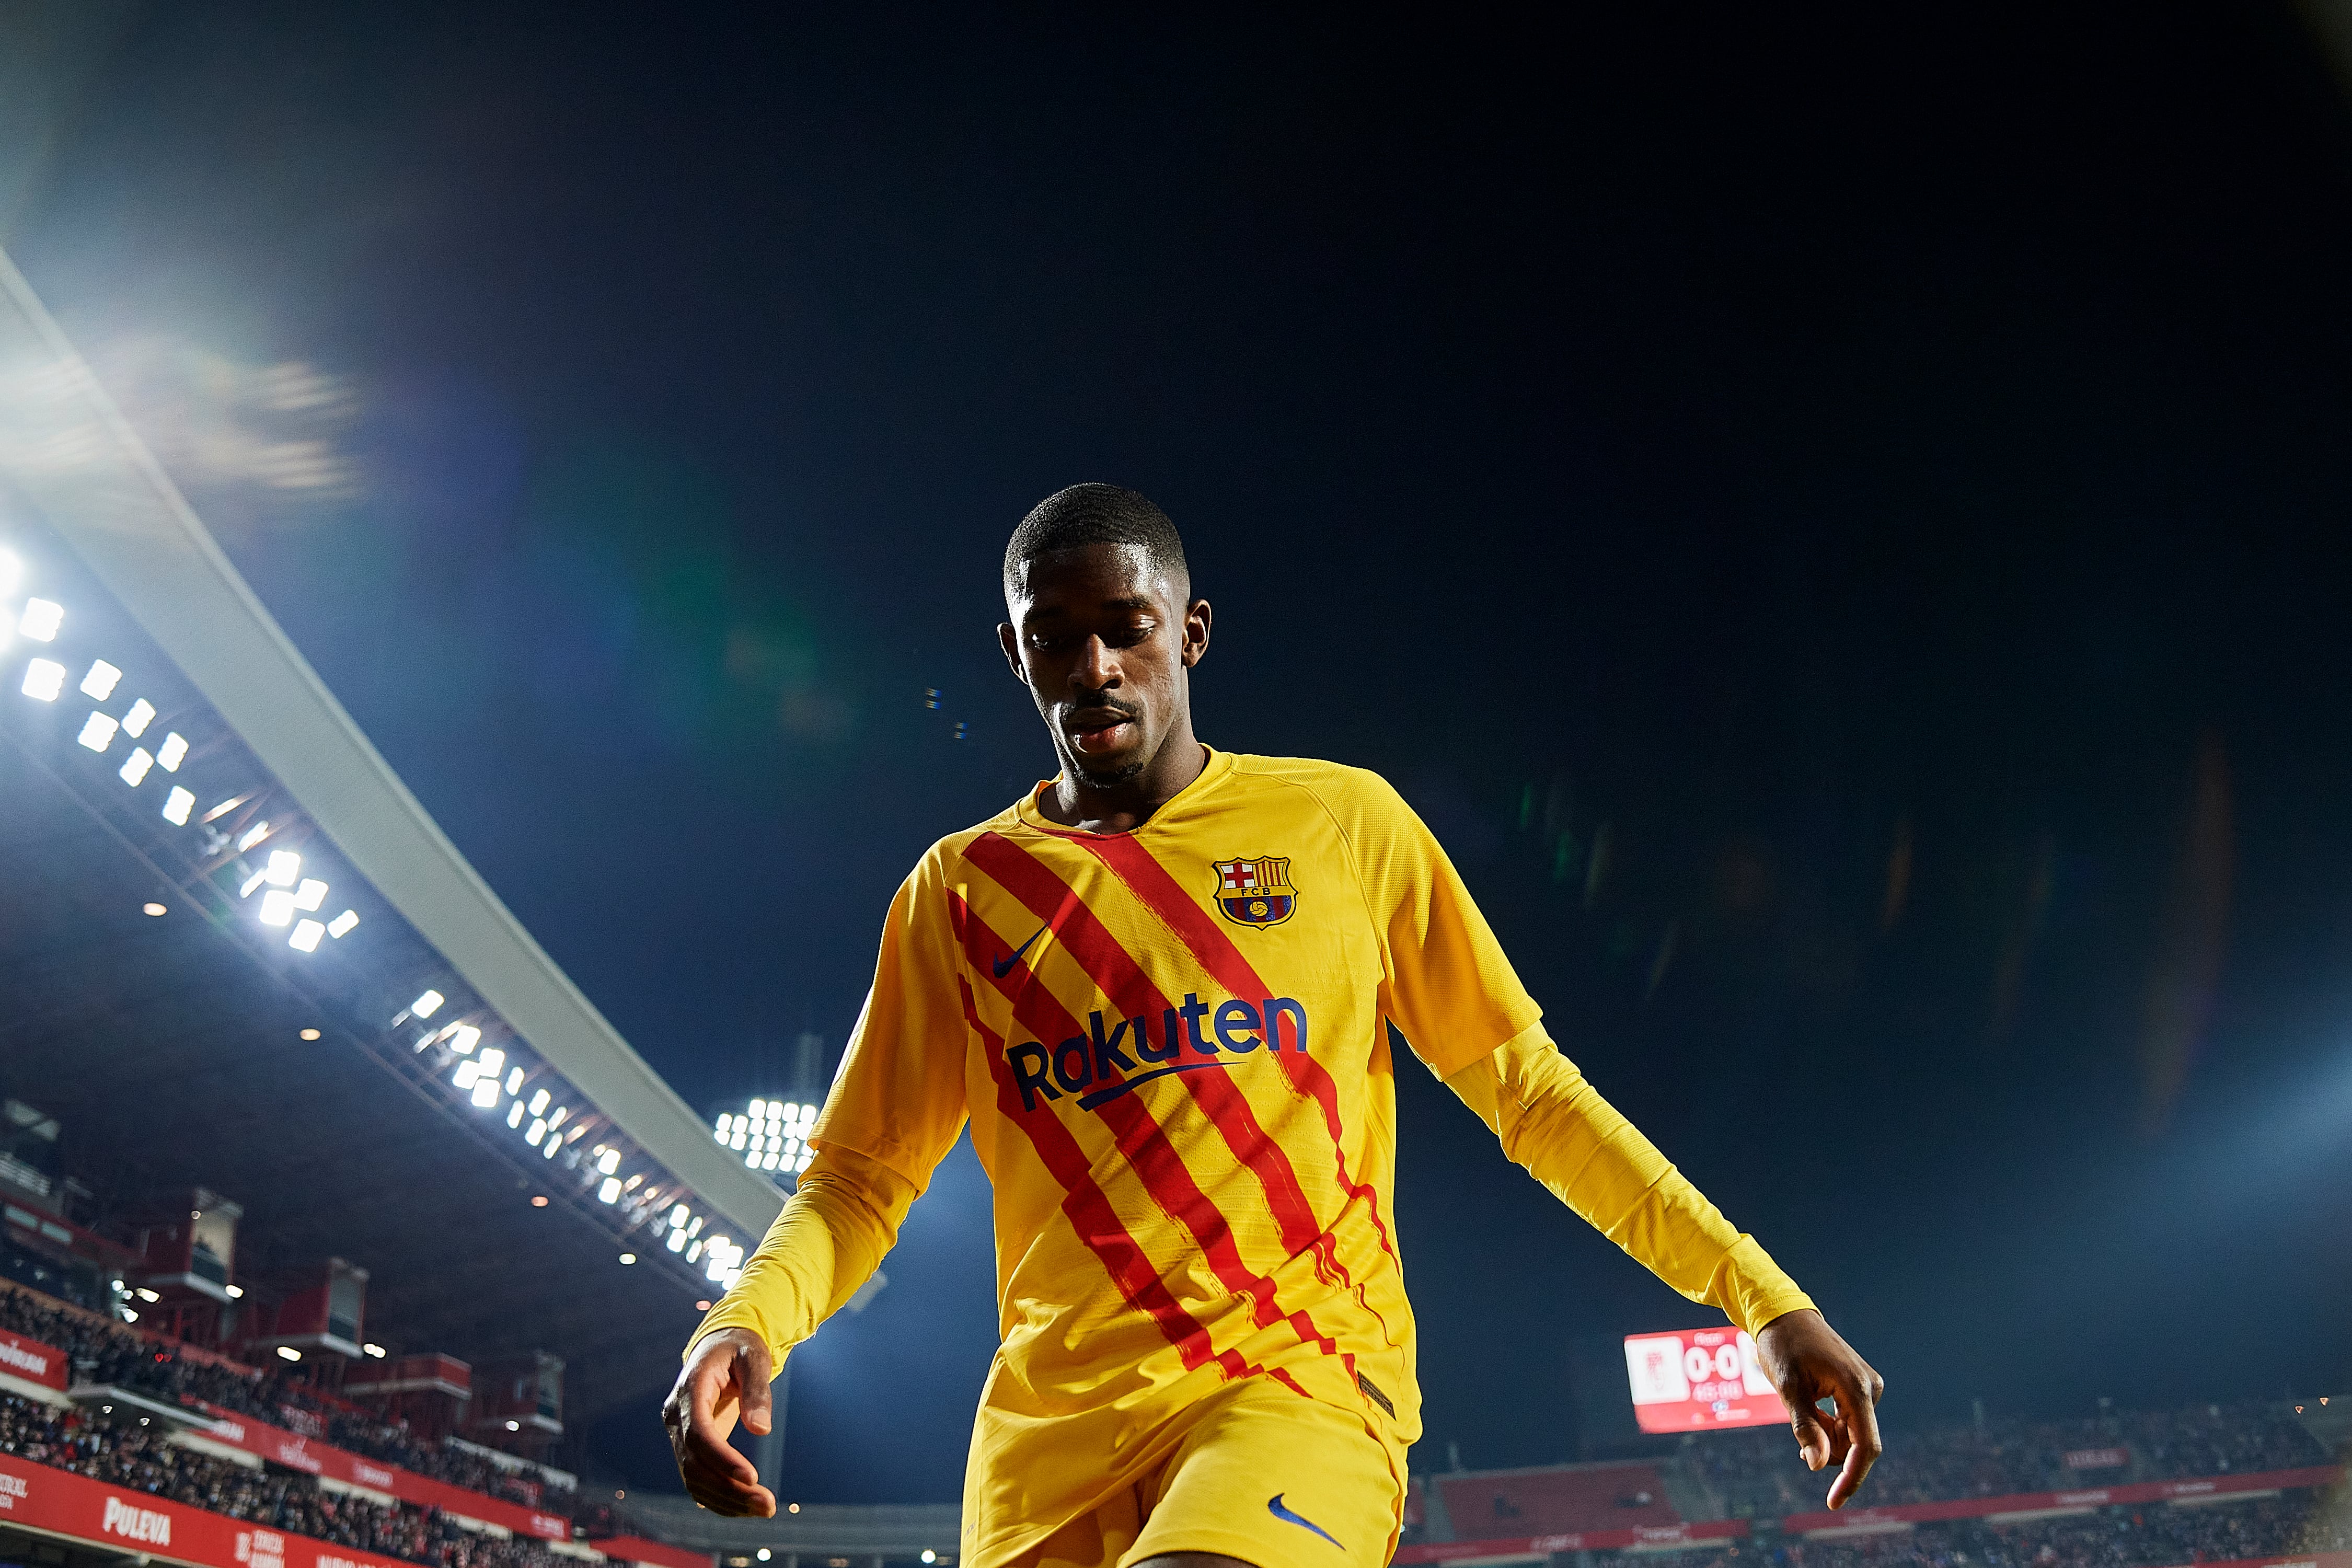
{"type": "Point", "coordinates": [1839, 521]}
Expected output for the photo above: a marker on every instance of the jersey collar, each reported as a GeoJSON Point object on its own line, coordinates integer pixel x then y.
{"type": "Point", "coordinates": [1213, 773]}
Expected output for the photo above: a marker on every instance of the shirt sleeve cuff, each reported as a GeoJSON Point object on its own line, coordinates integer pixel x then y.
{"type": "Point", "coordinates": [1752, 1290]}
{"type": "Point", "coordinates": [734, 1312]}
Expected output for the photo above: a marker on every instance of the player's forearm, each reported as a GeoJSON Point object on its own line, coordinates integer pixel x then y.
{"type": "Point", "coordinates": [1577, 1144]}
{"type": "Point", "coordinates": [829, 1240]}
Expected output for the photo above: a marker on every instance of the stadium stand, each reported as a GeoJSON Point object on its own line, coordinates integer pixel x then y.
{"type": "Point", "coordinates": [115, 1355]}
{"type": "Point", "coordinates": [1755, 1473]}
{"type": "Point", "coordinates": [1554, 1499]}
{"type": "Point", "coordinates": [135, 1455]}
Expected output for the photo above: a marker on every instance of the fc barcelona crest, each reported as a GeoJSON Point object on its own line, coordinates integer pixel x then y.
{"type": "Point", "coordinates": [1256, 892]}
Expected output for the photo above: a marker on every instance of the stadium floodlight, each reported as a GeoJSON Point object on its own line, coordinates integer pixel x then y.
{"type": "Point", "coordinates": [491, 1061]}
{"type": "Point", "coordinates": [759, 1110]}
{"type": "Point", "coordinates": [466, 1074]}
{"type": "Point", "coordinates": [41, 620]}
{"type": "Point", "coordinates": [176, 806]}
{"type": "Point", "coordinates": [610, 1191]}
{"type": "Point", "coordinates": [376, 1351]}
{"type": "Point", "coordinates": [172, 752]}
{"type": "Point", "coordinates": [309, 895]}
{"type": "Point", "coordinates": [245, 889]}
{"type": "Point", "coordinates": [102, 680]}
{"type": "Point", "coordinates": [251, 836]}
{"type": "Point", "coordinates": [343, 923]}
{"type": "Point", "coordinates": [678, 1240]}
{"type": "Point", "coordinates": [288, 1353]}
{"type": "Point", "coordinates": [129, 1316]}
{"type": "Point", "coordinates": [677, 1215]}
{"type": "Point", "coordinates": [45, 678]}
{"type": "Point", "coordinates": [425, 1005]}
{"type": "Point", "coordinates": [153, 909]}
{"type": "Point", "coordinates": [538, 1103]}
{"type": "Point", "coordinates": [144, 1294]}
{"type": "Point", "coordinates": [135, 766]}
{"type": "Point", "coordinates": [98, 731]}
{"type": "Point", "coordinates": [283, 867]}
{"type": "Point", "coordinates": [547, 1150]}
{"type": "Point", "coordinates": [514, 1114]}
{"type": "Point", "coordinates": [514, 1080]}
{"type": "Point", "coordinates": [277, 908]}
{"type": "Point", "coordinates": [142, 715]}
{"type": "Point", "coordinates": [235, 1292]}
{"type": "Point", "coordinates": [538, 1130]}
{"type": "Point", "coordinates": [306, 936]}
{"type": "Point", "coordinates": [608, 1162]}
{"type": "Point", "coordinates": [464, 1038]}
{"type": "Point", "coordinates": [486, 1092]}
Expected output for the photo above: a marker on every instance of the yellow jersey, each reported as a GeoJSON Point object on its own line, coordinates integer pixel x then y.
{"type": "Point", "coordinates": [1172, 1046]}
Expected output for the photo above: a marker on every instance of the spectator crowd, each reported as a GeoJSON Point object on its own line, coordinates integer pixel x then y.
{"type": "Point", "coordinates": [111, 1353]}
{"type": "Point", "coordinates": [1756, 1473]}
{"type": "Point", "coordinates": [125, 1452]}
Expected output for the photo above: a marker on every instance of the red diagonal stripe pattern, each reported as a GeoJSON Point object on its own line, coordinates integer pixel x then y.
{"type": "Point", "coordinates": [1139, 1138]}
{"type": "Point", "coordinates": [1090, 1213]}
{"type": "Point", "coordinates": [1120, 979]}
{"type": "Point", "coordinates": [1149, 880]}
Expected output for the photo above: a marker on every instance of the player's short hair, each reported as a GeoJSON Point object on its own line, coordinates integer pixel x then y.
{"type": "Point", "coordinates": [1097, 514]}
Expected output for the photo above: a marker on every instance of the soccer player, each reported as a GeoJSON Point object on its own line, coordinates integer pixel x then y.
{"type": "Point", "coordinates": [1160, 988]}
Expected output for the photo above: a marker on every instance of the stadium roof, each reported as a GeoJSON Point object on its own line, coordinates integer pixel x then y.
{"type": "Point", "coordinates": [169, 1046]}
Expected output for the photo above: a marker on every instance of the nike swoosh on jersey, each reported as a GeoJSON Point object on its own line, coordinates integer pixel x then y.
{"type": "Point", "coordinates": [1005, 965]}
{"type": "Point", "coordinates": [1273, 1506]}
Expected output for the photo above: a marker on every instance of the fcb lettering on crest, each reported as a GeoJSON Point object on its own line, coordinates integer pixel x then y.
{"type": "Point", "coordinates": [1256, 892]}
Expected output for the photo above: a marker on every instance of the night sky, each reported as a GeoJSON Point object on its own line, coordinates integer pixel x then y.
{"type": "Point", "coordinates": [1840, 522]}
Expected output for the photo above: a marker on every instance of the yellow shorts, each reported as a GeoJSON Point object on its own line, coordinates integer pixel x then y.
{"type": "Point", "coordinates": [1261, 1475]}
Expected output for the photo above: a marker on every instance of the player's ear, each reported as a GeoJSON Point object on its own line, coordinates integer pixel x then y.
{"type": "Point", "coordinates": [1009, 640]}
{"type": "Point", "coordinates": [1196, 632]}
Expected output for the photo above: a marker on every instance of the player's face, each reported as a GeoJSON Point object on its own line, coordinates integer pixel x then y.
{"type": "Point", "coordinates": [1103, 640]}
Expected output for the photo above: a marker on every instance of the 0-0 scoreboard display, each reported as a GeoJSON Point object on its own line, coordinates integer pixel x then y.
{"type": "Point", "coordinates": [1699, 1379]}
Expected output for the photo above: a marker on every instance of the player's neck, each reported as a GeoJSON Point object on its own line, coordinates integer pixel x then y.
{"type": "Point", "coordinates": [1128, 805]}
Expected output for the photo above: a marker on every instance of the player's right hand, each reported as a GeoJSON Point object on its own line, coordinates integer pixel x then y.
{"type": "Point", "coordinates": [726, 1375]}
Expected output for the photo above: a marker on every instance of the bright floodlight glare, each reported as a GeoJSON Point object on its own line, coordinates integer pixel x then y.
{"type": "Point", "coordinates": [142, 715]}
{"type": "Point", "coordinates": [514, 1079]}
{"type": "Point", "coordinates": [235, 1292]}
{"type": "Point", "coordinates": [555, 1117]}
{"type": "Point", "coordinates": [283, 867]}
{"type": "Point", "coordinates": [514, 1114]}
{"type": "Point", "coordinates": [491, 1062]}
{"type": "Point", "coordinates": [252, 835]}
{"type": "Point", "coordinates": [538, 1130]}
{"type": "Point", "coordinates": [245, 889]}
{"type": "Point", "coordinates": [485, 1092]}
{"type": "Point", "coordinates": [306, 936]}
{"type": "Point", "coordinates": [464, 1038]}
{"type": "Point", "coordinates": [101, 679]}
{"type": "Point", "coordinates": [466, 1074]}
{"type": "Point", "coordinates": [277, 907]}
{"type": "Point", "coordinates": [677, 1215]}
{"type": "Point", "coordinates": [129, 1316]}
{"type": "Point", "coordinates": [98, 731]}
{"type": "Point", "coordinates": [548, 1151]}
{"type": "Point", "coordinates": [309, 895]}
{"type": "Point", "coordinates": [609, 1163]}
{"type": "Point", "coordinates": [677, 1240]}
{"type": "Point", "coordinates": [375, 1351]}
{"type": "Point", "coordinates": [538, 1103]}
{"type": "Point", "coordinates": [289, 1353]}
{"type": "Point", "coordinates": [45, 678]}
{"type": "Point", "coordinates": [41, 620]}
{"type": "Point", "coordinates": [135, 766]}
{"type": "Point", "coordinates": [424, 1006]}
{"type": "Point", "coordinates": [343, 923]}
{"type": "Point", "coordinates": [153, 909]}
{"type": "Point", "coordinates": [930, 1555]}
{"type": "Point", "coordinates": [172, 752]}
{"type": "Point", "coordinates": [176, 806]}
{"type": "Point", "coordinates": [610, 1191]}
{"type": "Point", "coordinates": [759, 1109]}
{"type": "Point", "coordinates": [12, 571]}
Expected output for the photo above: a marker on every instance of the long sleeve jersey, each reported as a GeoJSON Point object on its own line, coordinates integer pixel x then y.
{"type": "Point", "coordinates": [1172, 1046]}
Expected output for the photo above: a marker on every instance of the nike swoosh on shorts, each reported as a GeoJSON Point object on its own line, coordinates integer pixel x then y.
{"type": "Point", "coordinates": [1273, 1506]}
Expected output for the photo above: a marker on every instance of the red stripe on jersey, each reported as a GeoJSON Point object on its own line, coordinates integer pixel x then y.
{"type": "Point", "coordinates": [1115, 972]}
{"type": "Point", "coordinates": [1089, 1210]}
{"type": "Point", "coordinates": [1149, 880]}
{"type": "Point", "coordinates": [1139, 1137]}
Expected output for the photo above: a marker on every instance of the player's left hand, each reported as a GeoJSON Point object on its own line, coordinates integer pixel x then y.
{"type": "Point", "coordinates": [1808, 1361]}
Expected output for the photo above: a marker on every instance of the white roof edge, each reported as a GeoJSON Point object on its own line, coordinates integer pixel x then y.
{"type": "Point", "coordinates": [67, 446]}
